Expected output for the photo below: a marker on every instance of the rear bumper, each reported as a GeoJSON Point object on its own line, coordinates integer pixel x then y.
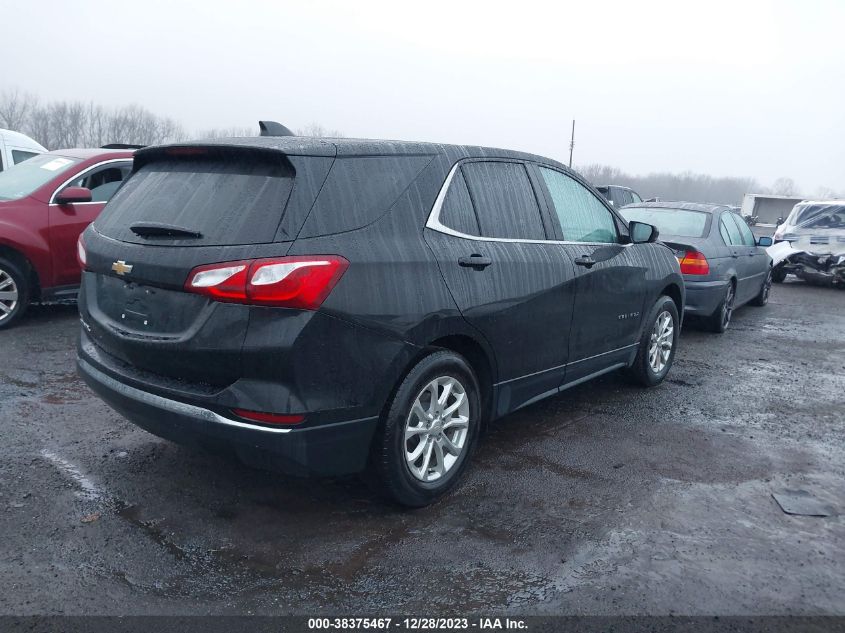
{"type": "Point", "coordinates": [325, 450]}
{"type": "Point", "coordinates": [703, 297]}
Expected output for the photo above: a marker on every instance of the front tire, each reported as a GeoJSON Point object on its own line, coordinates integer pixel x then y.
{"type": "Point", "coordinates": [658, 342]}
{"type": "Point", "coordinates": [778, 274]}
{"type": "Point", "coordinates": [14, 293]}
{"type": "Point", "coordinates": [424, 441]}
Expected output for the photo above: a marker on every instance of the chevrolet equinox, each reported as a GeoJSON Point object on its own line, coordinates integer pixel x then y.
{"type": "Point", "coordinates": [334, 306]}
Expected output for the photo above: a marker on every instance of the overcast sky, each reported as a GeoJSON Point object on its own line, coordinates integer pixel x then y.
{"type": "Point", "coordinates": [740, 88]}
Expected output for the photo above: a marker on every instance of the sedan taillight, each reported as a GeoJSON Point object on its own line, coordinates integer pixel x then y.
{"type": "Point", "coordinates": [694, 263]}
{"type": "Point", "coordinates": [288, 282]}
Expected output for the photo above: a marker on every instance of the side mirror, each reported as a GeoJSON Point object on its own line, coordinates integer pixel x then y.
{"type": "Point", "coordinates": [71, 195]}
{"type": "Point", "coordinates": [765, 241]}
{"type": "Point", "coordinates": [642, 233]}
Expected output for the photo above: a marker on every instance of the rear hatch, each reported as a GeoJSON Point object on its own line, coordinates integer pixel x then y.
{"type": "Point", "coordinates": [187, 206]}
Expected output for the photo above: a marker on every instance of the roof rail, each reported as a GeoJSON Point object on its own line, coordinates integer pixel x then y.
{"type": "Point", "coordinates": [121, 146]}
{"type": "Point", "coordinates": [273, 128]}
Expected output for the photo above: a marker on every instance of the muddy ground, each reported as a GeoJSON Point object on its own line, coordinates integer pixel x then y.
{"type": "Point", "coordinates": [607, 499]}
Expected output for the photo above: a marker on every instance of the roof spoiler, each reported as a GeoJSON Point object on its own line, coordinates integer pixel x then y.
{"type": "Point", "coordinates": [273, 128]}
{"type": "Point", "coordinates": [121, 146]}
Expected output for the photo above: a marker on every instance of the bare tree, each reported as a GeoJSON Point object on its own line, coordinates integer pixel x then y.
{"type": "Point", "coordinates": [228, 132]}
{"type": "Point", "coordinates": [315, 129]}
{"type": "Point", "coordinates": [16, 108]}
{"type": "Point", "coordinates": [826, 193]}
{"type": "Point", "coordinates": [685, 186]}
{"type": "Point", "coordinates": [784, 186]}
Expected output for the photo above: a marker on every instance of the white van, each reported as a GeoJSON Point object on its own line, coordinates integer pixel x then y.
{"type": "Point", "coordinates": [16, 148]}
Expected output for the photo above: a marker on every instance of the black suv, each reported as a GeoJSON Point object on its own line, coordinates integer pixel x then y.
{"type": "Point", "coordinates": [332, 306]}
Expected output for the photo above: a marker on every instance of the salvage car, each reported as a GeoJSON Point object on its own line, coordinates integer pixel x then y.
{"type": "Point", "coordinates": [45, 203]}
{"type": "Point", "coordinates": [723, 265]}
{"type": "Point", "coordinates": [324, 307]}
{"type": "Point", "coordinates": [815, 234]}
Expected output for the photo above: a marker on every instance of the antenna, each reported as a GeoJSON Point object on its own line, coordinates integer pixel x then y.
{"type": "Point", "coordinates": [273, 128]}
{"type": "Point", "coordinates": [572, 144]}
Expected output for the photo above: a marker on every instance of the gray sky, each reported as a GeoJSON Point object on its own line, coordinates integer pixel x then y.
{"type": "Point", "coordinates": [739, 88]}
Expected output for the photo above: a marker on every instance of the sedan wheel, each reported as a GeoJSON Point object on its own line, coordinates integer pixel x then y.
{"type": "Point", "coordinates": [720, 319]}
{"type": "Point", "coordinates": [14, 293]}
{"type": "Point", "coordinates": [762, 297]}
{"type": "Point", "coordinates": [728, 307]}
{"type": "Point", "coordinates": [8, 295]}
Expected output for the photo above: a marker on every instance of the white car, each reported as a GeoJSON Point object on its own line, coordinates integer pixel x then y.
{"type": "Point", "coordinates": [16, 148]}
{"type": "Point", "coordinates": [821, 222]}
{"type": "Point", "coordinates": [810, 244]}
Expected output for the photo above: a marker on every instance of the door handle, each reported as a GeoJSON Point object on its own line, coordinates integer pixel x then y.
{"type": "Point", "coordinates": [586, 261]}
{"type": "Point", "coordinates": [475, 261]}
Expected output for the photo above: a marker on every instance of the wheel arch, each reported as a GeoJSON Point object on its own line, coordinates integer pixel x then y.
{"type": "Point", "coordinates": [474, 351]}
{"type": "Point", "coordinates": [674, 292]}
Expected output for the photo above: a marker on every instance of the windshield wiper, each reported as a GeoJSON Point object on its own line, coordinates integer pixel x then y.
{"type": "Point", "coordinates": [157, 229]}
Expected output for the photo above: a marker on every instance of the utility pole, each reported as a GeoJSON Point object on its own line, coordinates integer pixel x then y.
{"type": "Point", "coordinates": [572, 144]}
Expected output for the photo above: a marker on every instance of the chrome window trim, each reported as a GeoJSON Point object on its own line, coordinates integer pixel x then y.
{"type": "Point", "coordinates": [434, 223]}
{"type": "Point", "coordinates": [82, 173]}
{"type": "Point", "coordinates": [174, 406]}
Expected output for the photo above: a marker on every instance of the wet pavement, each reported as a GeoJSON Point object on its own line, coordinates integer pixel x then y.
{"type": "Point", "coordinates": [608, 499]}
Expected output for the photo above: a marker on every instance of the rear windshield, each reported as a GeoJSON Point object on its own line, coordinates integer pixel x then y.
{"type": "Point", "coordinates": [18, 181]}
{"type": "Point", "coordinates": [228, 198]}
{"type": "Point", "coordinates": [818, 216]}
{"type": "Point", "coordinates": [679, 222]}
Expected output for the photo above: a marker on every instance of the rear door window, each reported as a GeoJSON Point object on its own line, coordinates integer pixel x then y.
{"type": "Point", "coordinates": [227, 197]}
{"type": "Point", "coordinates": [582, 216]}
{"type": "Point", "coordinates": [504, 200]}
{"type": "Point", "coordinates": [734, 236]}
{"type": "Point", "coordinates": [746, 235]}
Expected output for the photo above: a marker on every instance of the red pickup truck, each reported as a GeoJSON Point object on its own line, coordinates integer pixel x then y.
{"type": "Point", "coordinates": [45, 203]}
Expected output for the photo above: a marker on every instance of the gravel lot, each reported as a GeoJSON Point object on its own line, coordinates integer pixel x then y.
{"type": "Point", "coordinates": [609, 499]}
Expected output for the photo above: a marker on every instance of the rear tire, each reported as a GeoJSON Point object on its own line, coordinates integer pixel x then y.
{"type": "Point", "coordinates": [719, 321]}
{"type": "Point", "coordinates": [762, 297]}
{"type": "Point", "coordinates": [14, 293]}
{"type": "Point", "coordinates": [658, 342]}
{"type": "Point", "coordinates": [413, 458]}
{"type": "Point", "coordinates": [778, 274]}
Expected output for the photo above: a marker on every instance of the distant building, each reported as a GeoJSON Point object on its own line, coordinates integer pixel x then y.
{"type": "Point", "coordinates": [768, 208]}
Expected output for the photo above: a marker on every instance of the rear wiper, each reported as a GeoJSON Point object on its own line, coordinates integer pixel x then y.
{"type": "Point", "coordinates": [157, 229]}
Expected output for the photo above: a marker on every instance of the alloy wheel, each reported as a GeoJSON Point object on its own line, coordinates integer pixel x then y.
{"type": "Point", "coordinates": [436, 429]}
{"type": "Point", "coordinates": [662, 339]}
{"type": "Point", "coordinates": [728, 306]}
{"type": "Point", "coordinates": [767, 287]}
{"type": "Point", "coordinates": [8, 295]}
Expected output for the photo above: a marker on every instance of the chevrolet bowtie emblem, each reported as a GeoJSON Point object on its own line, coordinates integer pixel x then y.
{"type": "Point", "coordinates": [121, 267]}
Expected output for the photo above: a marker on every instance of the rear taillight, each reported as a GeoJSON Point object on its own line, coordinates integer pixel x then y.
{"type": "Point", "coordinates": [694, 263]}
{"type": "Point", "coordinates": [288, 282]}
{"type": "Point", "coordinates": [81, 255]}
